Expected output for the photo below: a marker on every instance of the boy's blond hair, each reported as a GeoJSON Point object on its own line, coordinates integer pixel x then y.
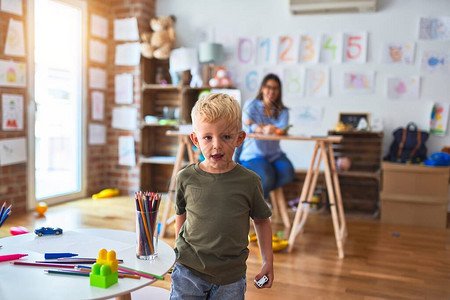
{"type": "Point", "coordinates": [213, 107]}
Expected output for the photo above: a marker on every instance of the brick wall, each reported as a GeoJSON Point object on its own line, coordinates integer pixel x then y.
{"type": "Point", "coordinates": [103, 170]}
{"type": "Point", "coordinates": [13, 178]}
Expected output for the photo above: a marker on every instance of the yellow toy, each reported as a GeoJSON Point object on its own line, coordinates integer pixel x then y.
{"type": "Point", "coordinates": [278, 244]}
{"type": "Point", "coordinates": [106, 193]}
{"type": "Point", "coordinates": [41, 208]}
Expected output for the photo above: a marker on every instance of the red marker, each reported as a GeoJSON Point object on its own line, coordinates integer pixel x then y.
{"type": "Point", "coordinates": [11, 257]}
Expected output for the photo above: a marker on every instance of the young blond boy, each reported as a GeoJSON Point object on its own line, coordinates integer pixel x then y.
{"type": "Point", "coordinates": [214, 201]}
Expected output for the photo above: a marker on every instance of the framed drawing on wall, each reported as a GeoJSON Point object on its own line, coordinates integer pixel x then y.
{"type": "Point", "coordinates": [353, 118]}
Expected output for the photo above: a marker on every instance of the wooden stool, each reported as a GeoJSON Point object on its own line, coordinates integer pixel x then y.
{"type": "Point", "coordinates": [279, 206]}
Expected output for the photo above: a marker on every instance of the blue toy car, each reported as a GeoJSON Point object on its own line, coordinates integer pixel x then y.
{"type": "Point", "coordinates": [48, 230]}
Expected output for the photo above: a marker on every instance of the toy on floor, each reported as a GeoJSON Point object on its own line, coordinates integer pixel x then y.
{"type": "Point", "coordinates": [41, 208]}
{"type": "Point", "coordinates": [106, 193]}
{"type": "Point", "coordinates": [278, 243]}
{"type": "Point", "coordinates": [104, 272]}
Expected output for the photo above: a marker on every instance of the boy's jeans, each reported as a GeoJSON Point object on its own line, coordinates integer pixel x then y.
{"type": "Point", "coordinates": [187, 286]}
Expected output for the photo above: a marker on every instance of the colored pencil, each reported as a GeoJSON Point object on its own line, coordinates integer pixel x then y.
{"type": "Point", "coordinates": [2, 210]}
{"type": "Point", "coordinates": [141, 273]}
{"type": "Point", "coordinates": [32, 264]}
{"type": "Point", "coordinates": [58, 255]}
{"type": "Point", "coordinates": [65, 272]}
{"type": "Point", "coordinates": [11, 257]}
{"type": "Point", "coordinates": [120, 274]}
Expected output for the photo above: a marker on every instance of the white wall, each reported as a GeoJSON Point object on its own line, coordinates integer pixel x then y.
{"type": "Point", "coordinates": [395, 20]}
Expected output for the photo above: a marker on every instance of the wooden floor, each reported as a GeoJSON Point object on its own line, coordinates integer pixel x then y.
{"type": "Point", "coordinates": [381, 261]}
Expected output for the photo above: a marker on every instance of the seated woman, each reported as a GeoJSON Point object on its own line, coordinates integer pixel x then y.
{"type": "Point", "coordinates": [264, 115]}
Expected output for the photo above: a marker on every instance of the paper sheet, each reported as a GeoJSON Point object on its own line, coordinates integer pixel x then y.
{"type": "Point", "coordinates": [126, 29]}
{"type": "Point", "coordinates": [97, 78]}
{"type": "Point", "coordinates": [12, 112]}
{"type": "Point", "coordinates": [12, 73]}
{"type": "Point", "coordinates": [398, 53]}
{"type": "Point", "coordinates": [123, 88]}
{"type": "Point", "coordinates": [307, 116]}
{"type": "Point", "coordinates": [434, 28]}
{"type": "Point", "coordinates": [124, 118]}
{"type": "Point", "coordinates": [439, 118]}
{"type": "Point", "coordinates": [15, 44]}
{"type": "Point", "coordinates": [99, 26]}
{"type": "Point", "coordinates": [97, 134]}
{"type": "Point", "coordinates": [12, 151]}
{"type": "Point", "coordinates": [358, 82]}
{"type": "Point", "coordinates": [98, 105]}
{"type": "Point", "coordinates": [128, 54]}
{"type": "Point", "coordinates": [318, 82]}
{"type": "Point", "coordinates": [97, 51]}
{"type": "Point", "coordinates": [403, 87]}
{"type": "Point", "coordinates": [12, 6]}
{"type": "Point", "coordinates": [127, 156]}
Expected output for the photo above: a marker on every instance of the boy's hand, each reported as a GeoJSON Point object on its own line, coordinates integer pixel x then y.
{"type": "Point", "coordinates": [268, 271]}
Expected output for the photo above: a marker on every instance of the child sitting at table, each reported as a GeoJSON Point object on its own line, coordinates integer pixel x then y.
{"type": "Point", "coordinates": [214, 201]}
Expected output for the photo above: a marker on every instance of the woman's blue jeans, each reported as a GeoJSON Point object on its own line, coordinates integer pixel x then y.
{"type": "Point", "coordinates": [273, 174]}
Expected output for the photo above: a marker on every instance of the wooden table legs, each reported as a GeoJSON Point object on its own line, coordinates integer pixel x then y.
{"type": "Point", "coordinates": [323, 152]}
{"type": "Point", "coordinates": [183, 144]}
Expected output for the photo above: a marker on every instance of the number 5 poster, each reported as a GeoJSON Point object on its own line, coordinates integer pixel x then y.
{"type": "Point", "coordinates": [355, 47]}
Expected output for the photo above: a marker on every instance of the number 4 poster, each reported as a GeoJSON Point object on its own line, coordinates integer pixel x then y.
{"type": "Point", "coordinates": [355, 47]}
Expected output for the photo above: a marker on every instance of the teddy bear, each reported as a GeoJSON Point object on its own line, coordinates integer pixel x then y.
{"type": "Point", "coordinates": [158, 43]}
{"type": "Point", "coordinates": [221, 78]}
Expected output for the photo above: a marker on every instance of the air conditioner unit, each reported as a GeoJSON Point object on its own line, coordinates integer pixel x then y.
{"type": "Point", "coordinates": [331, 6]}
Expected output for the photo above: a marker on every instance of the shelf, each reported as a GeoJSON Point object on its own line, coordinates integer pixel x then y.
{"type": "Point", "coordinates": [161, 87]}
{"type": "Point", "coordinates": [161, 160]}
{"type": "Point", "coordinates": [143, 124]}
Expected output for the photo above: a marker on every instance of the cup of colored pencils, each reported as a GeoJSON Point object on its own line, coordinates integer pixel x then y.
{"type": "Point", "coordinates": [147, 205]}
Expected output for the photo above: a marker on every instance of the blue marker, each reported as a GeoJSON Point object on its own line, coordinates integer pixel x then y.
{"type": "Point", "coordinates": [59, 255]}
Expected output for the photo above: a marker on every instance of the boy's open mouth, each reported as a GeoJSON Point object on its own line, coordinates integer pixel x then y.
{"type": "Point", "coordinates": [217, 157]}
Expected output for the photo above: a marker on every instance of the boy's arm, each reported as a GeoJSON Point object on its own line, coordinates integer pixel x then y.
{"type": "Point", "coordinates": [264, 232]}
{"type": "Point", "coordinates": [179, 221]}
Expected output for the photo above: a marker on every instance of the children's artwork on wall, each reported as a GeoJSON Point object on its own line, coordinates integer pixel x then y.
{"type": "Point", "coordinates": [317, 82]}
{"type": "Point", "coordinates": [277, 70]}
{"type": "Point", "coordinates": [97, 134]}
{"type": "Point", "coordinates": [249, 79]}
{"type": "Point", "coordinates": [124, 118]}
{"type": "Point", "coordinates": [127, 156]}
{"type": "Point", "coordinates": [434, 28]}
{"type": "Point", "coordinates": [307, 115]}
{"type": "Point", "coordinates": [246, 50]}
{"type": "Point", "coordinates": [293, 82]}
{"type": "Point", "coordinates": [355, 47]}
{"type": "Point", "coordinates": [97, 78]}
{"type": "Point", "coordinates": [128, 54]}
{"type": "Point", "coordinates": [12, 112]}
{"type": "Point", "coordinates": [123, 88]}
{"type": "Point", "coordinates": [309, 48]}
{"type": "Point", "coordinates": [98, 105]}
{"type": "Point", "coordinates": [434, 62]}
{"type": "Point", "coordinates": [266, 50]}
{"type": "Point", "coordinates": [403, 87]}
{"type": "Point", "coordinates": [288, 49]}
{"type": "Point", "coordinates": [126, 29]}
{"type": "Point", "coordinates": [12, 151]}
{"type": "Point", "coordinates": [12, 73]}
{"type": "Point", "coordinates": [439, 118]}
{"type": "Point", "coordinates": [12, 6]}
{"type": "Point", "coordinates": [97, 51]}
{"type": "Point", "coordinates": [99, 26]}
{"type": "Point", "coordinates": [331, 48]}
{"type": "Point", "coordinates": [15, 44]}
{"type": "Point", "coordinates": [398, 53]}
{"type": "Point", "coordinates": [358, 82]}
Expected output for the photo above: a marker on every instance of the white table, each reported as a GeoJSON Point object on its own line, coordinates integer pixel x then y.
{"type": "Point", "coordinates": [30, 282]}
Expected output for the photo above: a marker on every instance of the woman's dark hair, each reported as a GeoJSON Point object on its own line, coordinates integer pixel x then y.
{"type": "Point", "coordinates": [278, 104]}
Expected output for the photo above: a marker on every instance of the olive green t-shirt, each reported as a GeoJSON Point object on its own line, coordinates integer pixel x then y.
{"type": "Point", "coordinates": [213, 240]}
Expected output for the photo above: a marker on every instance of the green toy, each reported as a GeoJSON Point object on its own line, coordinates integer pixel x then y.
{"type": "Point", "coordinates": [101, 276]}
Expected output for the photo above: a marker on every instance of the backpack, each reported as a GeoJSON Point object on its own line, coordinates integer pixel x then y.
{"type": "Point", "coordinates": [408, 145]}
